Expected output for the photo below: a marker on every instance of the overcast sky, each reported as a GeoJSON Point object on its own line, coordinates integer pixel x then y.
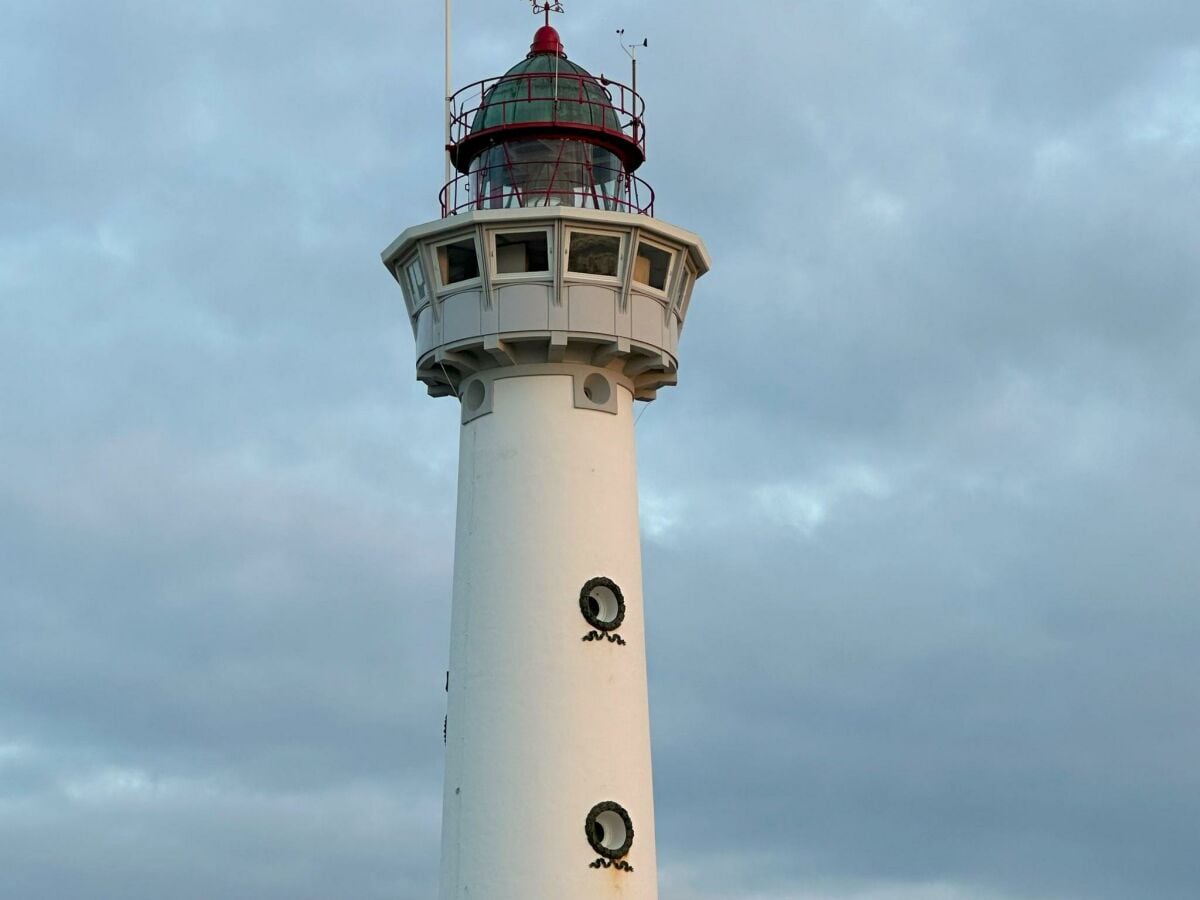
{"type": "Point", "coordinates": [921, 523]}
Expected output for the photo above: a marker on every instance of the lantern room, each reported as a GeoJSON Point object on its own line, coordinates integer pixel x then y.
{"type": "Point", "coordinates": [547, 133]}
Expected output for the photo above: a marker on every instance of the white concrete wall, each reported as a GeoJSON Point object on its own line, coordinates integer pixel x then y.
{"type": "Point", "coordinates": [542, 726]}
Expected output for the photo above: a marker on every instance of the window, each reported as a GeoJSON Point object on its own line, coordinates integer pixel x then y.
{"type": "Point", "coordinates": [416, 282]}
{"type": "Point", "coordinates": [685, 281]}
{"type": "Point", "coordinates": [458, 261]}
{"type": "Point", "coordinates": [594, 254]}
{"type": "Point", "coordinates": [652, 267]}
{"type": "Point", "coordinates": [524, 251]}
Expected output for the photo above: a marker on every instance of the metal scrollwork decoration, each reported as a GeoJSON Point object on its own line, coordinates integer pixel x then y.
{"type": "Point", "coordinates": [599, 636]}
{"type": "Point", "coordinates": [620, 864]}
{"type": "Point", "coordinates": [547, 8]}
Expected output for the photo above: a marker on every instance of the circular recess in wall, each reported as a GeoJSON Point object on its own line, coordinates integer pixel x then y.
{"type": "Point", "coordinates": [597, 388]}
{"type": "Point", "coordinates": [609, 830]}
{"type": "Point", "coordinates": [602, 604]}
{"type": "Point", "coordinates": [475, 395]}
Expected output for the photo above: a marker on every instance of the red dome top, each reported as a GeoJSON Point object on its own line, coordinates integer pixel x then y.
{"type": "Point", "coordinates": [546, 40]}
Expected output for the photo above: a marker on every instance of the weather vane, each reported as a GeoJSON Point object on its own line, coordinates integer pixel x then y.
{"type": "Point", "coordinates": [546, 8]}
{"type": "Point", "coordinates": [631, 49]}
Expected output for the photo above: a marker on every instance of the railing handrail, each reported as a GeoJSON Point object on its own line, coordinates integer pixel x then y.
{"type": "Point", "coordinates": [623, 102]}
{"type": "Point", "coordinates": [630, 199]}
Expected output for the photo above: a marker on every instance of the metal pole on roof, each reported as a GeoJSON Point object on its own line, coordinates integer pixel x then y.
{"type": "Point", "coordinates": [449, 95]}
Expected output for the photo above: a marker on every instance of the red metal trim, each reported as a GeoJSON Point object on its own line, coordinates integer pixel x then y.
{"type": "Point", "coordinates": [508, 166]}
{"type": "Point", "coordinates": [465, 153]}
{"type": "Point", "coordinates": [546, 40]}
{"type": "Point", "coordinates": [562, 146]}
{"type": "Point", "coordinates": [591, 180]}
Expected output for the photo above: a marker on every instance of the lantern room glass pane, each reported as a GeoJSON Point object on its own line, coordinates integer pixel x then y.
{"type": "Point", "coordinates": [652, 267]}
{"type": "Point", "coordinates": [594, 254]}
{"type": "Point", "coordinates": [525, 251]}
{"type": "Point", "coordinates": [458, 261]}
{"type": "Point", "coordinates": [553, 172]}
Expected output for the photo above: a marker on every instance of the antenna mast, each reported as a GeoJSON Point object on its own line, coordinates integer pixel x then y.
{"type": "Point", "coordinates": [449, 95]}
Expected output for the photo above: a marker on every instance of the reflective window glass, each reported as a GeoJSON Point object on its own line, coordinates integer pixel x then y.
{"type": "Point", "coordinates": [652, 267]}
{"type": "Point", "coordinates": [416, 281]}
{"type": "Point", "coordinates": [526, 251]}
{"type": "Point", "coordinates": [685, 281]}
{"type": "Point", "coordinates": [458, 261]}
{"type": "Point", "coordinates": [594, 254]}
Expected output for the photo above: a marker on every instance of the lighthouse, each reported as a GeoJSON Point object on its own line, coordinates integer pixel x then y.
{"type": "Point", "coordinates": [548, 301]}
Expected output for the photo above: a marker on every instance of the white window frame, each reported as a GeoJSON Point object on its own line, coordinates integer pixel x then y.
{"type": "Point", "coordinates": [622, 255]}
{"type": "Point", "coordinates": [684, 283]}
{"type": "Point", "coordinates": [685, 296]}
{"type": "Point", "coordinates": [672, 267]}
{"type": "Point", "coordinates": [416, 302]}
{"type": "Point", "coordinates": [466, 283]}
{"type": "Point", "coordinates": [546, 274]}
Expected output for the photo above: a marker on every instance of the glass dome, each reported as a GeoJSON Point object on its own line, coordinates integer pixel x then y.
{"type": "Point", "coordinates": [546, 88]}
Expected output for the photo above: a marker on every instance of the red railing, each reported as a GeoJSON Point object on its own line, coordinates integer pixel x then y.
{"type": "Point", "coordinates": [620, 114]}
{"type": "Point", "coordinates": [514, 186]}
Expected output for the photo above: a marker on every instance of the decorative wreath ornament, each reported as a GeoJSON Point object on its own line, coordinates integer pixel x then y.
{"type": "Point", "coordinates": [596, 834]}
{"type": "Point", "coordinates": [592, 608]}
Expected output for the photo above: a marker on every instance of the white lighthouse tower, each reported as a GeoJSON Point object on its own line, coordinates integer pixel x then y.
{"type": "Point", "coordinates": [547, 299]}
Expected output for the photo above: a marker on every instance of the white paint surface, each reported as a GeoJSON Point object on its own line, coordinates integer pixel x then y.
{"type": "Point", "coordinates": [543, 726]}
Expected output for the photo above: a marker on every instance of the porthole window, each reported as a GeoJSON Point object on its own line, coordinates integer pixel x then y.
{"type": "Point", "coordinates": [473, 399]}
{"type": "Point", "coordinates": [594, 254]}
{"type": "Point", "coordinates": [609, 830]}
{"type": "Point", "coordinates": [457, 261]}
{"type": "Point", "coordinates": [653, 266]}
{"type": "Point", "coordinates": [597, 389]}
{"type": "Point", "coordinates": [523, 251]}
{"type": "Point", "coordinates": [602, 604]}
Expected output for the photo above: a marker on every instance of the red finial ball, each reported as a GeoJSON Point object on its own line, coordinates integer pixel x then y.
{"type": "Point", "coordinates": [547, 41]}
